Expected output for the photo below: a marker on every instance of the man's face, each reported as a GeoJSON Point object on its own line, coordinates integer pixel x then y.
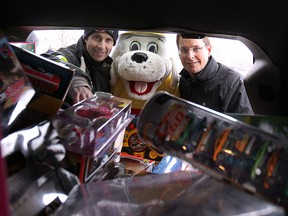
{"type": "Point", "coordinates": [193, 54]}
{"type": "Point", "coordinates": [99, 45]}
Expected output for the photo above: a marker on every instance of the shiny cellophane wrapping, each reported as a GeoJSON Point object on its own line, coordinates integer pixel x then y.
{"type": "Point", "coordinates": [93, 124]}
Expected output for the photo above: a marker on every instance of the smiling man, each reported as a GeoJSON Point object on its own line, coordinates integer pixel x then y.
{"type": "Point", "coordinates": [207, 82]}
{"type": "Point", "coordinates": [90, 58]}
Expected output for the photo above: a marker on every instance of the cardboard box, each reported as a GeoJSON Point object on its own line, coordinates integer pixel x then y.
{"type": "Point", "coordinates": [134, 165]}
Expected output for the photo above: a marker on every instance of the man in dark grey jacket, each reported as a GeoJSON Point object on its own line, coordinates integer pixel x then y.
{"type": "Point", "coordinates": [90, 58]}
{"type": "Point", "coordinates": [207, 82]}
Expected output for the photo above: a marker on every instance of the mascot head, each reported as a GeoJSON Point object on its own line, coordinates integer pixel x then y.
{"type": "Point", "coordinates": [142, 65]}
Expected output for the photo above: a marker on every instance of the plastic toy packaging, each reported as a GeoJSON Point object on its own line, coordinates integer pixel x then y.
{"type": "Point", "coordinates": [171, 194]}
{"type": "Point", "coordinates": [34, 160]}
{"type": "Point", "coordinates": [218, 144]}
{"type": "Point", "coordinates": [90, 126]}
{"type": "Point", "coordinates": [15, 89]}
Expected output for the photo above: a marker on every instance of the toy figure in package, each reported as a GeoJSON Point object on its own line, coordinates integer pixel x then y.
{"type": "Point", "coordinates": [15, 88]}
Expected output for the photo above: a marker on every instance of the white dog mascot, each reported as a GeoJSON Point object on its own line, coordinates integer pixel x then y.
{"type": "Point", "coordinates": [141, 67]}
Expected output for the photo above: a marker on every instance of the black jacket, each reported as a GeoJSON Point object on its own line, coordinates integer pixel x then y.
{"type": "Point", "coordinates": [95, 75]}
{"type": "Point", "coordinates": [217, 87]}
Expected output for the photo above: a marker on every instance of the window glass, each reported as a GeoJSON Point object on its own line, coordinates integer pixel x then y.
{"type": "Point", "coordinates": [46, 40]}
{"type": "Point", "coordinates": [232, 53]}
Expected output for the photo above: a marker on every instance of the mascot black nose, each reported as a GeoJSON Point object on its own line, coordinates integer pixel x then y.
{"type": "Point", "coordinates": [139, 57]}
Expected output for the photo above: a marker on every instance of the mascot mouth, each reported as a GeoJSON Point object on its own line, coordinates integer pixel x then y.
{"type": "Point", "coordinates": [141, 88]}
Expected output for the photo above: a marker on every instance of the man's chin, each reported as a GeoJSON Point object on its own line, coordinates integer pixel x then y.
{"type": "Point", "coordinates": [99, 58]}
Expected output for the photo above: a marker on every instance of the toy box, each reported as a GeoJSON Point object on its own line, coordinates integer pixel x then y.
{"type": "Point", "coordinates": [51, 81]}
{"type": "Point", "coordinates": [15, 89]}
{"type": "Point", "coordinates": [136, 166]}
{"type": "Point", "coordinates": [134, 145]}
{"type": "Point", "coordinates": [92, 131]}
{"type": "Point", "coordinates": [173, 164]}
{"type": "Point", "coordinates": [99, 167]}
{"type": "Point", "coordinates": [30, 46]}
{"type": "Point", "coordinates": [89, 124]}
{"type": "Point", "coordinates": [277, 125]}
{"type": "Point", "coordinates": [218, 144]}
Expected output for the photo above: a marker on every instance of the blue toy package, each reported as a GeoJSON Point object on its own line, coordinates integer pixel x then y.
{"type": "Point", "coordinates": [171, 164]}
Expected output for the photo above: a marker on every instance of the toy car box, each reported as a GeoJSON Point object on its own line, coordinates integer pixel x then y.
{"type": "Point", "coordinates": [218, 144]}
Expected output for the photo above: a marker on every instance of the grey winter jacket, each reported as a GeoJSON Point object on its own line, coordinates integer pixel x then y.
{"type": "Point", "coordinates": [89, 73]}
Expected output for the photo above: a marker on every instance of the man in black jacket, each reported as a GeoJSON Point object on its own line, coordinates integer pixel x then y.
{"type": "Point", "coordinates": [207, 82]}
{"type": "Point", "coordinates": [90, 58]}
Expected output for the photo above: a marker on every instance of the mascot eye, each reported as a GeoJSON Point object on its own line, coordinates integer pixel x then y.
{"type": "Point", "coordinates": [152, 47]}
{"type": "Point", "coordinates": [135, 46]}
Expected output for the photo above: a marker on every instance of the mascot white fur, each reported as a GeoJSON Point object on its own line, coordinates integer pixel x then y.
{"type": "Point", "coordinates": [141, 67]}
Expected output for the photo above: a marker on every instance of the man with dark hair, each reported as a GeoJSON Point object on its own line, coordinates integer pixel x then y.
{"type": "Point", "coordinates": [90, 58]}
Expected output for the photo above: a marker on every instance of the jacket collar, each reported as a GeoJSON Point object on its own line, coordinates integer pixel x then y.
{"type": "Point", "coordinates": [205, 74]}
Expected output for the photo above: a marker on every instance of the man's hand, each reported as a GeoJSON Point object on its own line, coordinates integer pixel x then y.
{"type": "Point", "coordinates": [79, 94]}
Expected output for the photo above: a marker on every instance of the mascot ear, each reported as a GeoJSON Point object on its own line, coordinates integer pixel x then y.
{"type": "Point", "coordinates": [113, 74]}
{"type": "Point", "coordinates": [175, 75]}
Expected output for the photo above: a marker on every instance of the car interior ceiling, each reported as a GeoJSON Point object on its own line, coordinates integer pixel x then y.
{"type": "Point", "coordinates": [255, 23]}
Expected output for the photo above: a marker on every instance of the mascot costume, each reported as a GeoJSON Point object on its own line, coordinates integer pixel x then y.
{"type": "Point", "coordinates": [141, 67]}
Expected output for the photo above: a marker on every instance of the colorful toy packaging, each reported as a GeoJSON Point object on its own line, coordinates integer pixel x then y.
{"type": "Point", "coordinates": [134, 145]}
{"type": "Point", "coordinates": [51, 81]}
{"type": "Point", "coordinates": [91, 123]}
{"type": "Point", "coordinates": [92, 131]}
{"type": "Point", "coordinates": [218, 144]}
{"type": "Point", "coordinates": [15, 89]}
